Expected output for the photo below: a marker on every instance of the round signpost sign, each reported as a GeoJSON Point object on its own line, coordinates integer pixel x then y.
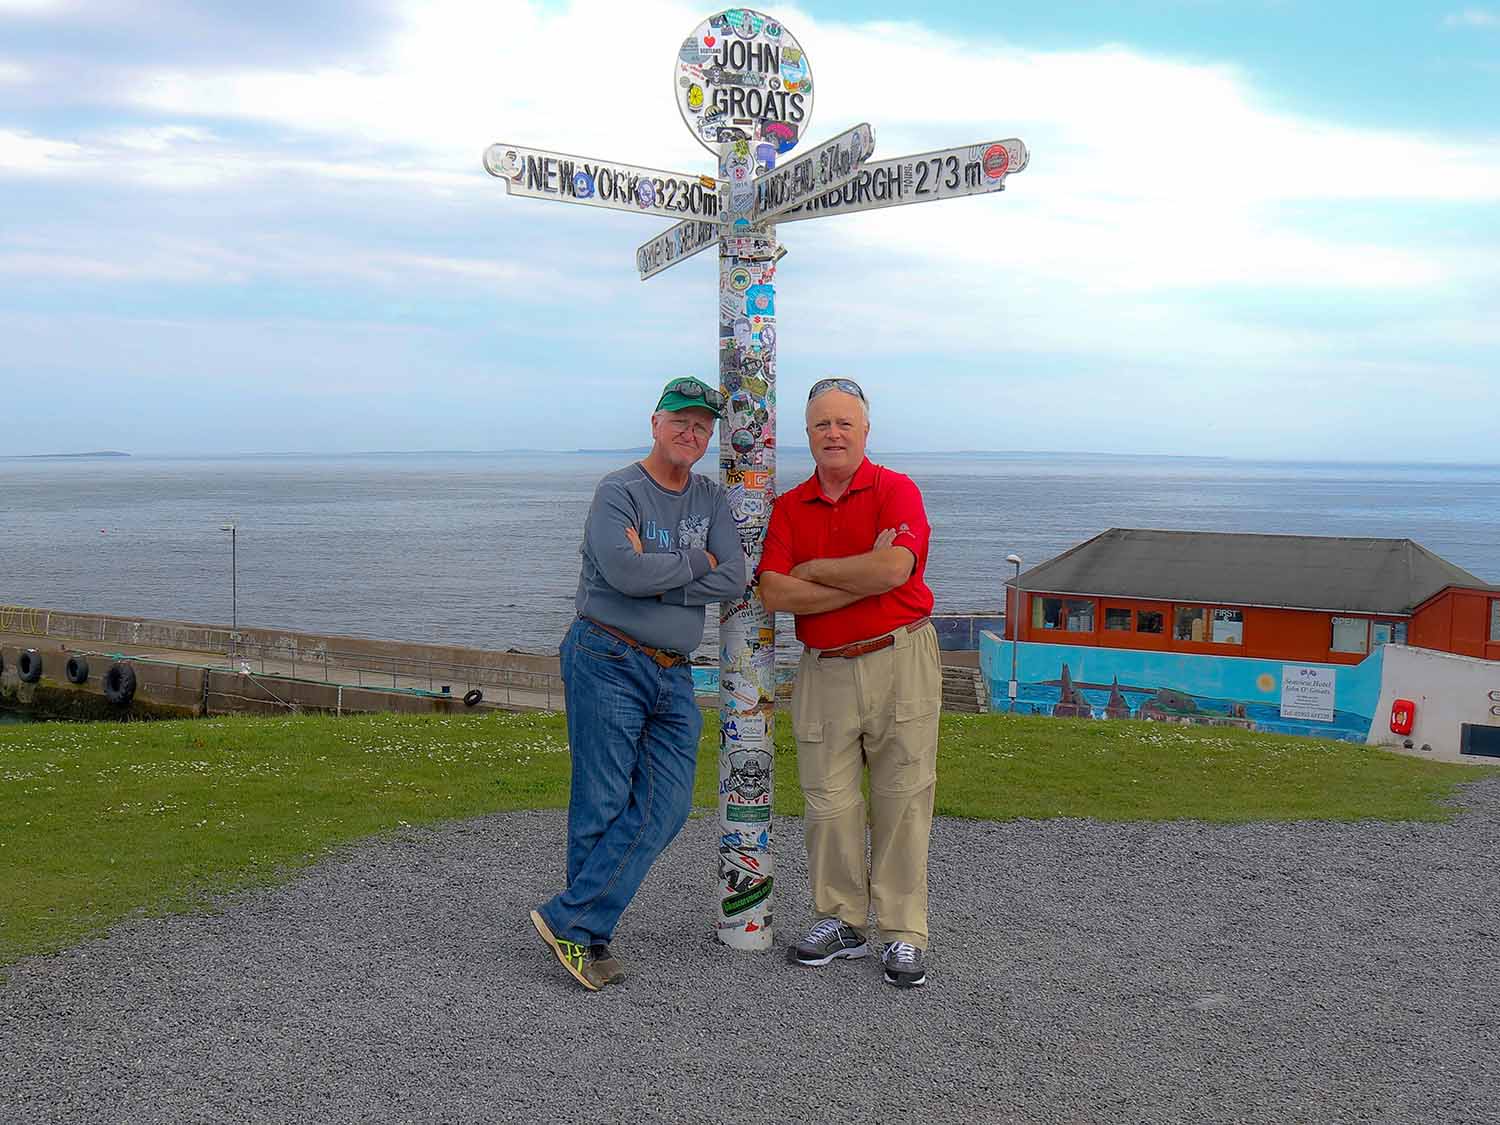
{"type": "Point", "coordinates": [741, 76]}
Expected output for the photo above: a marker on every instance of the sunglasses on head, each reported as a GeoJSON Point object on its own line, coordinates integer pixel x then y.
{"type": "Point", "coordinates": [848, 386]}
{"type": "Point", "coordinates": [691, 388]}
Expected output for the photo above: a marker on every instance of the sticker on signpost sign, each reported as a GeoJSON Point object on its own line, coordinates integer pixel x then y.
{"type": "Point", "coordinates": [742, 76]}
{"type": "Point", "coordinates": [996, 161]}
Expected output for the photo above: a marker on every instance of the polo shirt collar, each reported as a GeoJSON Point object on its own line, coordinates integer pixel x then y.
{"type": "Point", "coordinates": [864, 477]}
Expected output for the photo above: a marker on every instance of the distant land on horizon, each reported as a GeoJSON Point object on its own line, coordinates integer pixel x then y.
{"type": "Point", "coordinates": [797, 453]}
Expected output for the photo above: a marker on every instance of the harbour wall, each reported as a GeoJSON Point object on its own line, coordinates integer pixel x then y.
{"type": "Point", "coordinates": [214, 669]}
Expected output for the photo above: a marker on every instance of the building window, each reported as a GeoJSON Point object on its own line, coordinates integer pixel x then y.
{"type": "Point", "coordinates": [1190, 623]}
{"type": "Point", "coordinates": [1070, 615]}
{"type": "Point", "coordinates": [1495, 621]}
{"type": "Point", "coordinates": [1116, 619]}
{"type": "Point", "coordinates": [1400, 632]}
{"type": "Point", "coordinates": [1351, 634]}
{"type": "Point", "coordinates": [1149, 621]}
{"type": "Point", "coordinates": [1229, 627]}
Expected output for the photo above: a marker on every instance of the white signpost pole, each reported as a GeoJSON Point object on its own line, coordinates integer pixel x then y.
{"type": "Point", "coordinates": [745, 90]}
{"type": "Point", "coordinates": [747, 633]}
{"type": "Point", "coordinates": [744, 87]}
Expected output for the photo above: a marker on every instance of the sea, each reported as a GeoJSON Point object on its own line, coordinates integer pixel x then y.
{"type": "Point", "coordinates": [481, 549]}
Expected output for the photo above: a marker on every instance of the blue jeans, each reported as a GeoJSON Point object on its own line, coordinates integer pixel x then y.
{"type": "Point", "coordinates": [633, 730]}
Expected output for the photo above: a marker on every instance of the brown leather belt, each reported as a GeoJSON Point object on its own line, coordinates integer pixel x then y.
{"type": "Point", "coordinates": [665, 657]}
{"type": "Point", "coordinates": [859, 648]}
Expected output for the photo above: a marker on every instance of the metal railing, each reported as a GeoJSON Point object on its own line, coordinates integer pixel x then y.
{"type": "Point", "coordinates": [381, 671]}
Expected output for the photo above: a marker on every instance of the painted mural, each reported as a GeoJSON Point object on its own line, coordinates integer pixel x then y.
{"type": "Point", "coordinates": [1074, 681]}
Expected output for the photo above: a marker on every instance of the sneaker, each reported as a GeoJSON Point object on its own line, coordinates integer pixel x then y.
{"type": "Point", "coordinates": [904, 965]}
{"type": "Point", "coordinates": [605, 967]}
{"type": "Point", "coordinates": [574, 957]}
{"type": "Point", "coordinates": [829, 938]}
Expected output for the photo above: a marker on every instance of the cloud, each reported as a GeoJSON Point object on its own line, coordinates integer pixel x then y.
{"type": "Point", "coordinates": [1148, 172]}
{"type": "Point", "coordinates": [1472, 17]}
{"type": "Point", "coordinates": [1122, 123]}
{"type": "Point", "coordinates": [28, 154]}
{"type": "Point", "coordinates": [35, 7]}
{"type": "Point", "coordinates": [1179, 235]}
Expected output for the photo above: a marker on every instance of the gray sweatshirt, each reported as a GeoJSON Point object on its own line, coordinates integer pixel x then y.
{"type": "Point", "coordinates": [658, 596]}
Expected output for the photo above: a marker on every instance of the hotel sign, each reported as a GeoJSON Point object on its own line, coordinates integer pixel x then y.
{"type": "Point", "coordinates": [1307, 693]}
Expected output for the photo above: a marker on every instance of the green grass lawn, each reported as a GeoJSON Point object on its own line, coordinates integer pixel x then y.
{"type": "Point", "coordinates": [99, 820]}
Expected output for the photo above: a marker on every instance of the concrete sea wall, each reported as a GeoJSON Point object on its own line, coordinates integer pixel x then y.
{"type": "Point", "coordinates": [211, 669]}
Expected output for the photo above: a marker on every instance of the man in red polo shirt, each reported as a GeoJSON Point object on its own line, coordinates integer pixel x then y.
{"type": "Point", "coordinates": [845, 552]}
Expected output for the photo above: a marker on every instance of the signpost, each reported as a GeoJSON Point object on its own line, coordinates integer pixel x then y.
{"type": "Point", "coordinates": [744, 86]}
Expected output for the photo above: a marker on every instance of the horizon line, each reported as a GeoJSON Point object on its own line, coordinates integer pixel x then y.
{"type": "Point", "coordinates": [791, 454]}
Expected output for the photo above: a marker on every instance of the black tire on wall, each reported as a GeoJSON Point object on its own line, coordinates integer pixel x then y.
{"type": "Point", "coordinates": [473, 698]}
{"type": "Point", "coordinates": [29, 666]}
{"type": "Point", "coordinates": [77, 670]}
{"type": "Point", "coordinates": [119, 684]}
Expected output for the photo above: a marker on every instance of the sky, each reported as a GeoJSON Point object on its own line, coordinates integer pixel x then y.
{"type": "Point", "coordinates": [1248, 229]}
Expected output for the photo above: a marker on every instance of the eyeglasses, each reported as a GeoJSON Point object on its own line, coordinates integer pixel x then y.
{"type": "Point", "coordinates": [848, 386]}
{"type": "Point", "coordinates": [691, 388]}
{"type": "Point", "coordinates": [700, 430]}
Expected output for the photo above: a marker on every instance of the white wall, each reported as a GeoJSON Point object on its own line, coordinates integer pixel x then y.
{"type": "Point", "coordinates": [1448, 690]}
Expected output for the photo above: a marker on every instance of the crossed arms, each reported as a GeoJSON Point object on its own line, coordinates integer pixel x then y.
{"type": "Point", "coordinates": [820, 585]}
{"type": "Point", "coordinates": [688, 576]}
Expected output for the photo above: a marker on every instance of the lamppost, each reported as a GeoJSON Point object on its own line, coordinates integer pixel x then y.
{"type": "Point", "coordinates": [234, 594]}
{"type": "Point", "coordinates": [1015, 626]}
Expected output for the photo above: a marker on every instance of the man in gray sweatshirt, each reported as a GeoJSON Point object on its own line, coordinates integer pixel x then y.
{"type": "Point", "coordinates": [659, 545]}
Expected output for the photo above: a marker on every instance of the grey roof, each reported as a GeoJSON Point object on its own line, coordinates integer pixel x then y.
{"type": "Point", "coordinates": [1298, 571]}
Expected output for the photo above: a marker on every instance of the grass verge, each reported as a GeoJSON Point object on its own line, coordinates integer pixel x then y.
{"type": "Point", "coordinates": [101, 820]}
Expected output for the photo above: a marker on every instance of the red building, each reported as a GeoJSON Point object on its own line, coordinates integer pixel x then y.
{"type": "Point", "coordinates": [1280, 597]}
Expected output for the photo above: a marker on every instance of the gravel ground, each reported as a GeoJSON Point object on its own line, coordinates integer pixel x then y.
{"type": "Point", "coordinates": [1080, 972]}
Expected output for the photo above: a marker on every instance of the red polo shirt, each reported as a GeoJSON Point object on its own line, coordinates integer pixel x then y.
{"type": "Point", "coordinates": [805, 524]}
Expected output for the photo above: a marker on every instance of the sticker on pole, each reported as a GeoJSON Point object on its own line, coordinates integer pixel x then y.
{"type": "Point", "coordinates": [742, 76]}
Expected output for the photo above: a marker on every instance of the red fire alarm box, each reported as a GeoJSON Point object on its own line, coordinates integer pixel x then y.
{"type": "Point", "coordinates": [1403, 714]}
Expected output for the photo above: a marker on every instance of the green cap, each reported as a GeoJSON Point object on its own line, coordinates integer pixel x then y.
{"type": "Point", "coordinates": [680, 394]}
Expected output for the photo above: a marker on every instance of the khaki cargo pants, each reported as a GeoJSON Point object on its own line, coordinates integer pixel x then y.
{"type": "Point", "coordinates": [878, 710]}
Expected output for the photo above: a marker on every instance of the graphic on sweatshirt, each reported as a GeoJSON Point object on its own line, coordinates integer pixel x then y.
{"type": "Point", "coordinates": [692, 531]}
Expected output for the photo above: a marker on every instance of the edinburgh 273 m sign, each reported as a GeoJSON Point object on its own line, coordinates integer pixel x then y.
{"type": "Point", "coordinates": [744, 86]}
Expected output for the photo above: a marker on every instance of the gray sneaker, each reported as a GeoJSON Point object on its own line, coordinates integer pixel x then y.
{"type": "Point", "coordinates": [605, 967]}
{"type": "Point", "coordinates": [905, 965]}
{"type": "Point", "coordinates": [829, 938]}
